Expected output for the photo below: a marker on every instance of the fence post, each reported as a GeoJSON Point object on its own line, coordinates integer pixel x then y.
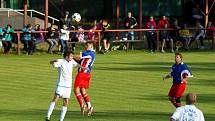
{"type": "Point", "coordinates": [18, 44]}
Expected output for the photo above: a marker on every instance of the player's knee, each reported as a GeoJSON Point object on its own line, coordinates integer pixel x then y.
{"type": "Point", "coordinates": [77, 90]}
{"type": "Point", "coordinates": [66, 102]}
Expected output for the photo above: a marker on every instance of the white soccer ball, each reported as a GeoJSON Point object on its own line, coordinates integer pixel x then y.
{"type": "Point", "coordinates": [76, 17]}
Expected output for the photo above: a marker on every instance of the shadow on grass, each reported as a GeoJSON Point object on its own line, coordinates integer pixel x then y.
{"type": "Point", "coordinates": [154, 66]}
{"type": "Point", "coordinates": [110, 115]}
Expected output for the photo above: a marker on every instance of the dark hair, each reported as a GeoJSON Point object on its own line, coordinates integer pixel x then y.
{"type": "Point", "coordinates": [179, 55]}
{"type": "Point", "coordinates": [67, 53]}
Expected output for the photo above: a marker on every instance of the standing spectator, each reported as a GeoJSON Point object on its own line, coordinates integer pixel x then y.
{"type": "Point", "coordinates": [163, 21]}
{"type": "Point", "coordinates": [66, 20]}
{"type": "Point", "coordinates": [82, 80]}
{"type": "Point", "coordinates": [164, 34]}
{"type": "Point", "coordinates": [91, 34]}
{"type": "Point", "coordinates": [38, 37]}
{"type": "Point", "coordinates": [210, 32]}
{"type": "Point", "coordinates": [199, 35]}
{"type": "Point", "coordinates": [189, 112]}
{"type": "Point", "coordinates": [151, 34]}
{"type": "Point", "coordinates": [64, 83]}
{"type": "Point", "coordinates": [180, 74]}
{"type": "Point", "coordinates": [106, 35]}
{"type": "Point", "coordinates": [174, 34]}
{"type": "Point", "coordinates": [80, 35]}
{"type": "Point", "coordinates": [7, 38]}
{"type": "Point", "coordinates": [27, 39]}
{"type": "Point", "coordinates": [130, 23]}
{"type": "Point", "coordinates": [64, 38]}
{"type": "Point", "coordinates": [52, 38]}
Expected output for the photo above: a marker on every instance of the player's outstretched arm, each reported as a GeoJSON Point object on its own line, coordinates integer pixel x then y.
{"type": "Point", "coordinates": [53, 61]}
{"type": "Point", "coordinates": [167, 76]}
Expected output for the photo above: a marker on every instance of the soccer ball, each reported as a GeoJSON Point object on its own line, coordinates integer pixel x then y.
{"type": "Point", "coordinates": [76, 17]}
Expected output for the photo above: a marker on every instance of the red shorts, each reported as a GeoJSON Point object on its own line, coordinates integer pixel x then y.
{"type": "Point", "coordinates": [82, 80]}
{"type": "Point", "coordinates": [177, 90]}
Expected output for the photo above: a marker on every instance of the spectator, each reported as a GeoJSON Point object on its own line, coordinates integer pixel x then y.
{"type": "Point", "coordinates": [199, 35]}
{"type": "Point", "coordinates": [189, 112]}
{"type": "Point", "coordinates": [80, 35]}
{"type": "Point", "coordinates": [27, 39]}
{"type": "Point", "coordinates": [52, 38]}
{"type": "Point", "coordinates": [130, 23]}
{"type": "Point", "coordinates": [106, 35]}
{"type": "Point", "coordinates": [151, 34]}
{"type": "Point", "coordinates": [66, 20]}
{"type": "Point", "coordinates": [174, 34]}
{"type": "Point", "coordinates": [210, 32]}
{"type": "Point", "coordinates": [7, 38]}
{"type": "Point", "coordinates": [185, 36]}
{"type": "Point", "coordinates": [91, 34]}
{"type": "Point", "coordinates": [64, 38]}
{"type": "Point", "coordinates": [1, 35]}
{"type": "Point", "coordinates": [164, 34]}
{"type": "Point", "coordinates": [163, 21]}
{"type": "Point", "coordinates": [38, 37]}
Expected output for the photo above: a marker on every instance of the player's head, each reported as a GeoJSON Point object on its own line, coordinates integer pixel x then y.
{"type": "Point", "coordinates": [68, 55]}
{"type": "Point", "coordinates": [178, 58]}
{"type": "Point", "coordinates": [190, 98]}
{"type": "Point", "coordinates": [89, 46]}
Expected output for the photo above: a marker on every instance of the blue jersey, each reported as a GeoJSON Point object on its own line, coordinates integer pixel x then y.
{"type": "Point", "coordinates": [177, 72]}
{"type": "Point", "coordinates": [87, 60]}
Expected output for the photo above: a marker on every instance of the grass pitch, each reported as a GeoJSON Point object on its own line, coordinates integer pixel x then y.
{"type": "Point", "coordinates": [124, 87]}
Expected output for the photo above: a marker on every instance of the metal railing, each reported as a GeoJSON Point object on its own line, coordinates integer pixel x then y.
{"type": "Point", "coordinates": [20, 12]}
{"type": "Point", "coordinates": [113, 30]}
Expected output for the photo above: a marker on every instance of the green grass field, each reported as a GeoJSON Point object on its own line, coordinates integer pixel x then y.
{"type": "Point", "coordinates": [124, 87]}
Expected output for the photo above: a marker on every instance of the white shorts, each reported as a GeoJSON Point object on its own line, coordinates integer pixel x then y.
{"type": "Point", "coordinates": [63, 92]}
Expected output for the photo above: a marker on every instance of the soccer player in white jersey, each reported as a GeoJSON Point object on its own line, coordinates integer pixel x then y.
{"type": "Point", "coordinates": [64, 83]}
{"type": "Point", "coordinates": [188, 112]}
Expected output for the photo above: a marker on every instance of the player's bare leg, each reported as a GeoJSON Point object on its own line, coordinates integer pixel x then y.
{"type": "Point", "coordinates": [64, 109]}
{"type": "Point", "coordinates": [175, 101]}
{"type": "Point", "coordinates": [87, 101]}
{"type": "Point", "coordinates": [79, 98]}
{"type": "Point", "coordinates": [51, 107]}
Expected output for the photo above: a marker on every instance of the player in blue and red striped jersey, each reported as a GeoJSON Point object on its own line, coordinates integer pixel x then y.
{"type": "Point", "coordinates": [180, 74]}
{"type": "Point", "coordinates": [82, 80]}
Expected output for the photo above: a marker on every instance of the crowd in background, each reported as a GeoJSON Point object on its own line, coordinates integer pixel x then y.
{"type": "Point", "coordinates": [61, 35]}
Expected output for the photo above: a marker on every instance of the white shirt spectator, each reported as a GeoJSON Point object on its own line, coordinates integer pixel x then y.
{"type": "Point", "coordinates": [188, 113]}
{"type": "Point", "coordinates": [65, 72]}
{"type": "Point", "coordinates": [64, 34]}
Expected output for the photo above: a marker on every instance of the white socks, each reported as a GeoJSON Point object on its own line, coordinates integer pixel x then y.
{"type": "Point", "coordinates": [88, 105]}
{"type": "Point", "coordinates": [50, 109]}
{"type": "Point", "coordinates": [63, 113]}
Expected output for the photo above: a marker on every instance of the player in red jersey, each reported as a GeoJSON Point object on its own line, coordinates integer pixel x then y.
{"type": "Point", "coordinates": [82, 79]}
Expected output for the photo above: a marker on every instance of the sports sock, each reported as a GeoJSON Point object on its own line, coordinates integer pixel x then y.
{"type": "Point", "coordinates": [50, 109]}
{"type": "Point", "coordinates": [79, 98]}
{"type": "Point", "coordinates": [63, 113]}
{"type": "Point", "coordinates": [87, 100]}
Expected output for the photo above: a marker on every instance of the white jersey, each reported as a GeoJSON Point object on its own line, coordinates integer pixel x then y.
{"type": "Point", "coordinates": [188, 113]}
{"type": "Point", "coordinates": [65, 72]}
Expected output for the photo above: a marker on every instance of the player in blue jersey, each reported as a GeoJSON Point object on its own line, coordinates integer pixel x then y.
{"type": "Point", "coordinates": [82, 79]}
{"type": "Point", "coordinates": [180, 74]}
